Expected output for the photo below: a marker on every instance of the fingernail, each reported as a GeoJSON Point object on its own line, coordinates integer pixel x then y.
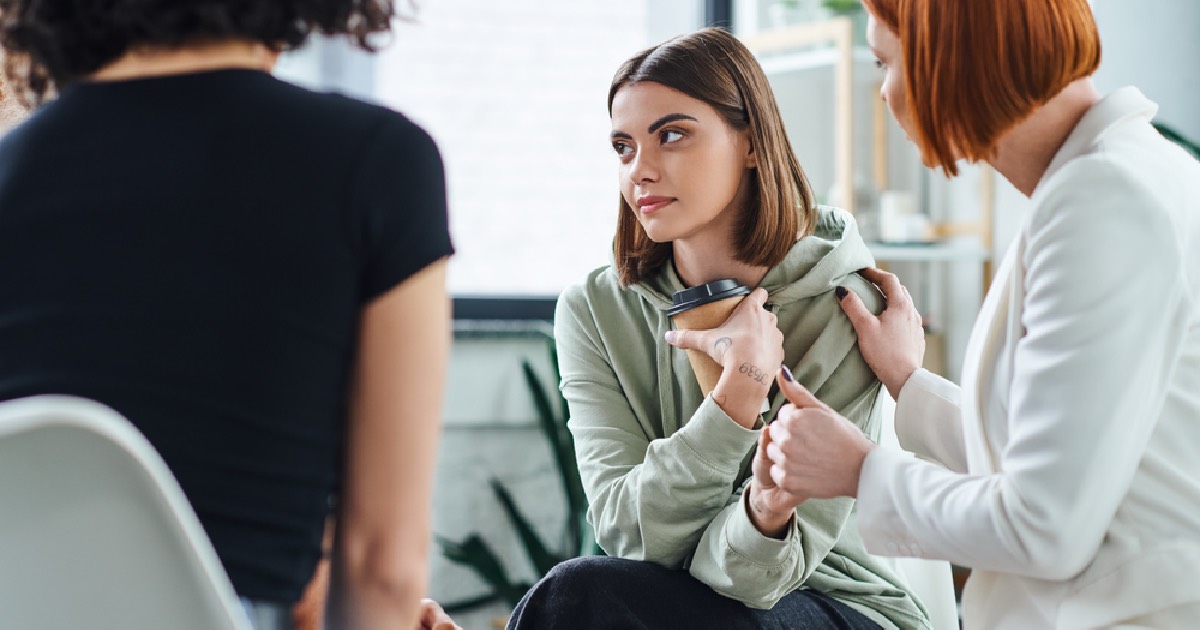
{"type": "Point", "coordinates": [787, 374]}
{"type": "Point", "coordinates": [840, 292]}
{"type": "Point", "coordinates": [670, 336]}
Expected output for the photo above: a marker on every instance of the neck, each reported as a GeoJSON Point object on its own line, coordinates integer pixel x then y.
{"type": "Point", "coordinates": [1024, 153]}
{"type": "Point", "coordinates": [699, 260]}
{"type": "Point", "coordinates": [154, 61]}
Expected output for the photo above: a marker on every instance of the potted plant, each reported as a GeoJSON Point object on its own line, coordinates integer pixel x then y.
{"type": "Point", "coordinates": [474, 553]}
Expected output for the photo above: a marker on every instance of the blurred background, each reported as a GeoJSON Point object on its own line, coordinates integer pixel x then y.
{"type": "Point", "coordinates": [514, 93]}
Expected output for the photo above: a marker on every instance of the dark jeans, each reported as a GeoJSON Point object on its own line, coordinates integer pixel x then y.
{"type": "Point", "coordinates": [600, 592]}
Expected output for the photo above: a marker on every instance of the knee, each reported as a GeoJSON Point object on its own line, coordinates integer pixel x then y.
{"type": "Point", "coordinates": [585, 574]}
{"type": "Point", "coordinates": [578, 589]}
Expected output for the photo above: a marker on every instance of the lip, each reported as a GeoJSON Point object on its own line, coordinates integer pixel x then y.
{"type": "Point", "coordinates": [649, 204]}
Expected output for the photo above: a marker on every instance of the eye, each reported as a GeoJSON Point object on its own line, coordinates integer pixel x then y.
{"type": "Point", "coordinates": [880, 65]}
{"type": "Point", "coordinates": [622, 148]}
{"type": "Point", "coordinates": [670, 135]}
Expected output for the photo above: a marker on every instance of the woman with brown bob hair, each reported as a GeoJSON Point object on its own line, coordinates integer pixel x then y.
{"type": "Point", "coordinates": [1065, 471]}
{"type": "Point", "coordinates": [250, 272]}
{"type": "Point", "coordinates": [697, 534]}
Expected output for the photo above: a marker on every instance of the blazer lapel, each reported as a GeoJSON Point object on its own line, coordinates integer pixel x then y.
{"type": "Point", "coordinates": [990, 333]}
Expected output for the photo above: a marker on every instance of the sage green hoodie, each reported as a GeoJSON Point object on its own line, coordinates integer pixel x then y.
{"type": "Point", "coordinates": [664, 469]}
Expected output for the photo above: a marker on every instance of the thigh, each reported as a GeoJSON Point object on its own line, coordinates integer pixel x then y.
{"type": "Point", "coordinates": [807, 608]}
{"type": "Point", "coordinates": [599, 593]}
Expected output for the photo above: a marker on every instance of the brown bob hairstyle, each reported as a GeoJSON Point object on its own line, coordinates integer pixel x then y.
{"type": "Point", "coordinates": [974, 69]}
{"type": "Point", "coordinates": [712, 66]}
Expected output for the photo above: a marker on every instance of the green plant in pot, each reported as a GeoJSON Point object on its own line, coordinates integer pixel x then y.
{"type": "Point", "coordinates": [474, 553]}
{"type": "Point", "coordinates": [842, 7]}
{"type": "Point", "coordinates": [852, 9]}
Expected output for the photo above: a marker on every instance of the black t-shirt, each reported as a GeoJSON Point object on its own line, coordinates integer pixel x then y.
{"type": "Point", "coordinates": [195, 251]}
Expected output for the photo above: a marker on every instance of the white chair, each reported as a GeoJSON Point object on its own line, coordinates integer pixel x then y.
{"type": "Point", "coordinates": [94, 530]}
{"type": "Point", "coordinates": [931, 580]}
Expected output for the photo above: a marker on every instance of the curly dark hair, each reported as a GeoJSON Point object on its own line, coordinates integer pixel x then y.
{"type": "Point", "coordinates": [51, 43]}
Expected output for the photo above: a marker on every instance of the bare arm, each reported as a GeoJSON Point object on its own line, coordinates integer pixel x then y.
{"type": "Point", "coordinates": [381, 550]}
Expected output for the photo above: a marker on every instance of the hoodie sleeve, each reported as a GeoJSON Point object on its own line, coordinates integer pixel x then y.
{"type": "Point", "coordinates": [737, 561]}
{"type": "Point", "coordinates": [648, 499]}
{"type": "Point", "coordinates": [733, 557]}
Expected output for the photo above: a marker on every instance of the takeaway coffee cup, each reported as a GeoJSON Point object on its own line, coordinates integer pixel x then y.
{"type": "Point", "coordinates": [700, 308]}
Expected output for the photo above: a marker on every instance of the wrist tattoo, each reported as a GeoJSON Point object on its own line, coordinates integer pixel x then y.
{"type": "Point", "coordinates": [753, 372]}
{"type": "Point", "coordinates": [720, 347]}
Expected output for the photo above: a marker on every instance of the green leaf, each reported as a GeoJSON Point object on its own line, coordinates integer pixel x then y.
{"type": "Point", "coordinates": [1170, 133]}
{"type": "Point", "coordinates": [541, 557]}
{"type": "Point", "coordinates": [562, 447]}
{"type": "Point", "coordinates": [843, 6]}
{"type": "Point", "coordinates": [475, 554]}
{"type": "Point", "coordinates": [565, 410]}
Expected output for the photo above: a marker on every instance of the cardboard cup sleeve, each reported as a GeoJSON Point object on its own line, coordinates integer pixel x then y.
{"type": "Point", "coordinates": [701, 308]}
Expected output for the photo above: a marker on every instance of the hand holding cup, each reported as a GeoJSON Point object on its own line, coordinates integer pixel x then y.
{"type": "Point", "coordinates": [747, 350]}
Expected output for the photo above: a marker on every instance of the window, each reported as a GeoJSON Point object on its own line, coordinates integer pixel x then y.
{"type": "Point", "coordinates": [514, 93]}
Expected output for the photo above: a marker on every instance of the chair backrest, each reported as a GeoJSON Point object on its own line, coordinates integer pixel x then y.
{"type": "Point", "coordinates": [931, 580]}
{"type": "Point", "coordinates": [95, 531]}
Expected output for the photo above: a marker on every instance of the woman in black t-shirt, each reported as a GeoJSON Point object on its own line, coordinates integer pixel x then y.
{"type": "Point", "coordinates": [252, 273]}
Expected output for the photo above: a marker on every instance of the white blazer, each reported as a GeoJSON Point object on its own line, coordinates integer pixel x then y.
{"type": "Point", "coordinates": [1067, 470]}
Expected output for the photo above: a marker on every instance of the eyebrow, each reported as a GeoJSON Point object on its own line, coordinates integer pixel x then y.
{"type": "Point", "coordinates": [669, 118]}
{"type": "Point", "coordinates": [658, 124]}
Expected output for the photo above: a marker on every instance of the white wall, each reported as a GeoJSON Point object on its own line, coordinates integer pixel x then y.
{"type": "Point", "coordinates": [1155, 45]}
{"type": "Point", "coordinates": [1151, 44]}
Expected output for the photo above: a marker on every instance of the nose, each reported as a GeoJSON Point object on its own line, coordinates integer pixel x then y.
{"type": "Point", "coordinates": [643, 168]}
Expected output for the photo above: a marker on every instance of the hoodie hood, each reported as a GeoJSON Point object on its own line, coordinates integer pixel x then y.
{"type": "Point", "coordinates": [816, 264]}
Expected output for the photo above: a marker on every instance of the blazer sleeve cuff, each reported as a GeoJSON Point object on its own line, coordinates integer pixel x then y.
{"type": "Point", "coordinates": [929, 420]}
{"type": "Point", "coordinates": [879, 522]}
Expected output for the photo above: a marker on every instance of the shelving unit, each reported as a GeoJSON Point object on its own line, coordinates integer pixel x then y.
{"type": "Point", "coordinates": [931, 252]}
{"type": "Point", "coordinates": [811, 60]}
{"type": "Point", "coordinates": [832, 42]}
{"type": "Point", "coordinates": [824, 83]}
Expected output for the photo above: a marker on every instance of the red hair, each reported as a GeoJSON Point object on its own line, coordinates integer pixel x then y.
{"type": "Point", "coordinates": [976, 68]}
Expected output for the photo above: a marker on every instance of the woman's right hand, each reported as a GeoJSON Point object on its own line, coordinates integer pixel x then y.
{"type": "Point", "coordinates": [892, 344]}
{"type": "Point", "coordinates": [749, 347]}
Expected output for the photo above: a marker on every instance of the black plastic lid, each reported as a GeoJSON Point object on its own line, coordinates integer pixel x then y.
{"type": "Point", "coordinates": [716, 290]}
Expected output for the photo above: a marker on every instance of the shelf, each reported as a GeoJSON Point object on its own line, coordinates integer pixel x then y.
{"type": "Point", "coordinates": [932, 252]}
{"type": "Point", "coordinates": [834, 39]}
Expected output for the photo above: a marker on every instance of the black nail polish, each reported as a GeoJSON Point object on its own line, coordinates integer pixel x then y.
{"type": "Point", "coordinates": [840, 292]}
{"type": "Point", "coordinates": [787, 374]}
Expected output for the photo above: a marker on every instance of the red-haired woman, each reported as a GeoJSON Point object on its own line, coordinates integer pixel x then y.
{"type": "Point", "coordinates": [1065, 470]}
